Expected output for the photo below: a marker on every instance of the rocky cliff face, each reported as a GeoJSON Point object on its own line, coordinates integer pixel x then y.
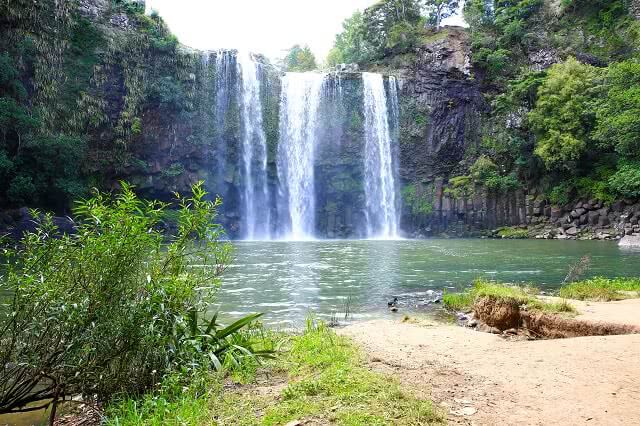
{"type": "Point", "coordinates": [153, 122]}
{"type": "Point", "coordinates": [440, 105]}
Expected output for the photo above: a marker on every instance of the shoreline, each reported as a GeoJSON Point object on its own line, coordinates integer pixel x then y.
{"type": "Point", "coordinates": [482, 378]}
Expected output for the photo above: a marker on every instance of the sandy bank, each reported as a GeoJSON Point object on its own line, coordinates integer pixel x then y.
{"type": "Point", "coordinates": [483, 379]}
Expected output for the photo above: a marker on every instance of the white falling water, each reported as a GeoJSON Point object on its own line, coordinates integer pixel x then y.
{"type": "Point", "coordinates": [300, 101]}
{"type": "Point", "coordinates": [255, 195]}
{"type": "Point", "coordinates": [380, 187]}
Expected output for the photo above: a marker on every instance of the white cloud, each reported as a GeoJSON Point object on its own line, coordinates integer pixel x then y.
{"type": "Point", "coordinates": [260, 26]}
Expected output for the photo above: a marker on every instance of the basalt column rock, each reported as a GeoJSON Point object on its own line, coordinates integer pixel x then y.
{"type": "Point", "coordinates": [439, 106]}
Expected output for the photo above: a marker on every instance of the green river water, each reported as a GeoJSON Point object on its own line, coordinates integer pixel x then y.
{"type": "Point", "coordinates": [289, 280]}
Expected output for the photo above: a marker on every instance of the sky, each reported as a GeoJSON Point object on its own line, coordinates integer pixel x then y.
{"type": "Point", "coordinates": [260, 26]}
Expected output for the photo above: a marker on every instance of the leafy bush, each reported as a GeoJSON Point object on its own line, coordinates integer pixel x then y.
{"type": "Point", "coordinates": [483, 168]}
{"type": "Point", "coordinates": [460, 187]}
{"type": "Point", "coordinates": [626, 181]}
{"type": "Point", "coordinates": [485, 172]}
{"type": "Point", "coordinates": [420, 202]}
{"type": "Point", "coordinates": [94, 313]}
{"type": "Point", "coordinates": [559, 195]}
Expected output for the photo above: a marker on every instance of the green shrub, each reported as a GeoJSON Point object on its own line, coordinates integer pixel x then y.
{"type": "Point", "coordinates": [420, 202]}
{"type": "Point", "coordinates": [626, 181]}
{"type": "Point", "coordinates": [559, 195]}
{"type": "Point", "coordinates": [460, 187]}
{"type": "Point", "coordinates": [483, 168]}
{"type": "Point", "coordinates": [94, 313]}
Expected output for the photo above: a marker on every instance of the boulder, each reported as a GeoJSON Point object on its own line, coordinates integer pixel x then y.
{"type": "Point", "coordinates": [556, 213]}
{"type": "Point", "coordinates": [630, 241]}
{"type": "Point", "coordinates": [572, 232]}
{"type": "Point", "coordinates": [583, 219]}
{"type": "Point", "coordinates": [577, 213]}
{"type": "Point", "coordinates": [593, 217]}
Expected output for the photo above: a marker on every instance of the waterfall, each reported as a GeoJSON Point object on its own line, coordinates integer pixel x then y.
{"type": "Point", "coordinates": [379, 181]}
{"type": "Point", "coordinates": [299, 105]}
{"type": "Point", "coordinates": [255, 200]}
{"type": "Point", "coordinates": [224, 88]}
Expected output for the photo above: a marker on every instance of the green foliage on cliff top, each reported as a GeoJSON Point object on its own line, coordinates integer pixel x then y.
{"type": "Point", "coordinates": [299, 59]}
{"type": "Point", "coordinates": [389, 28]}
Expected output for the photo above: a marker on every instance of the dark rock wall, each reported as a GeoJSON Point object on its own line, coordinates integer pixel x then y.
{"type": "Point", "coordinates": [440, 106]}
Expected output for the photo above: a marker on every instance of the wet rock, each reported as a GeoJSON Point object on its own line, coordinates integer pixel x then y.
{"type": "Point", "coordinates": [578, 212]}
{"type": "Point", "coordinates": [572, 232]}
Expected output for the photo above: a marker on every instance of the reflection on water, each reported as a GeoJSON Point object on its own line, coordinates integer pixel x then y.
{"type": "Point", "coordinates": [290, 279]}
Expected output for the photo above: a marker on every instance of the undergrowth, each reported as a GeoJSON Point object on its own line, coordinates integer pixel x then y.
{"type": "Point", "coordinates": [602, 289]}
{"type": "Point", "coordinates": [327, 380]}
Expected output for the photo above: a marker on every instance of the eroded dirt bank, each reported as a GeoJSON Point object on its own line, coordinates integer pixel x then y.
{"type": "Point", "coordinates": [482, 379]}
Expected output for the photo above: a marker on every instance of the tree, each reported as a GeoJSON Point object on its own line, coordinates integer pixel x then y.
{"type": "Point", "coordinates": [619, 112]}
{"type": "Point", "coordinates": [389, 17]}
{"type": "Point", "coordinates": [350, 45]}
{"type": "Point", "coordinates": [299, 59]}
{"type": "Point", "coordinates": [437, 10]}
{"type": "Point", "coordinates": [564, 113]}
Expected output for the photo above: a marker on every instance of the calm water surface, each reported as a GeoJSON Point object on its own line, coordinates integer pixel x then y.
{"type": "Point", "coordinates": [288, 280]}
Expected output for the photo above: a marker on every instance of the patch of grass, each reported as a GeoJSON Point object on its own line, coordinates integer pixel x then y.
{"type": "Point", "coordinates": [602, 289]}
{"type": "Point", "coordinates": [524, 295]}
{"type": "Point", "coordinates": [561, 307]}
{"type": "Point", "coordinates": [328, 381]}
{"type": "Point", "coordinates": [458, 301]}
{"type": "Point", "coordinates": [512, 233]}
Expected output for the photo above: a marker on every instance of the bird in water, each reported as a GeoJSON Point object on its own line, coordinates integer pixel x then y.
{"type": "Point", "coordinates": [393, 305]}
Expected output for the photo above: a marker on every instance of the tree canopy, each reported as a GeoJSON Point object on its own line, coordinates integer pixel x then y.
{"type": "Point", "coordinates": [299, 59]}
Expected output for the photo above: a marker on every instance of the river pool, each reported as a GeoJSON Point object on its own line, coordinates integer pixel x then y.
{"type": "Point", "coordinates": [289, 280]}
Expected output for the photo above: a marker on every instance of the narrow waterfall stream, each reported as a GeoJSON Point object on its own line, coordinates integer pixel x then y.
{"type": "Point", "coordinates": [379, 182]}
{"type": "Point", "coordinates": [300, 102]}
{"type": "Point", "coordinates": [255, 193]}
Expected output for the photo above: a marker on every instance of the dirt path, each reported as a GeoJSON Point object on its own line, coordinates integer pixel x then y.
{"type": "Point", "coordinates": [483, 379]}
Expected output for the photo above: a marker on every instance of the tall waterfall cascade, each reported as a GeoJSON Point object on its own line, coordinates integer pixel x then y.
{"type": "Point", "coordinates": [300, 102]}
{"type": "Point", "coordinates": [382, 219]}
{"type": "Point", "coordinates": [301, 156]}
{"type": "Point", "coordinates": [255, 194]}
